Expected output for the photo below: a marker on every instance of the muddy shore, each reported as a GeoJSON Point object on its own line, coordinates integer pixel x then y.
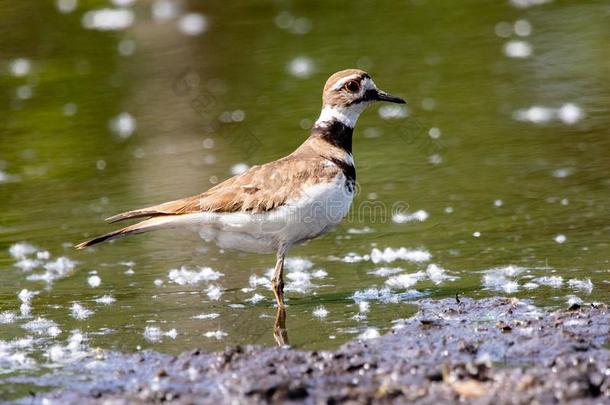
{"type": "Point", "coordinates": [495, 350]}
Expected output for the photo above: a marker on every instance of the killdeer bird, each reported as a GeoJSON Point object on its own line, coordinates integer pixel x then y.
{"type": "Point", "coordinates": [271, 207]}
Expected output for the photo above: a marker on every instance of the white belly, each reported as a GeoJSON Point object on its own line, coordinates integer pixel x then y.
{"type": "Point", "coordinates": [318, 209]}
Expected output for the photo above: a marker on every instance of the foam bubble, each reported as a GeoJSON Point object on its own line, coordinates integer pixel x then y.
{"type": "Point", "coordinates": [184, 276]}
{"type": "Point", "coordinates": [217, 334]}
{"type": "Point", "coordinates": [550, 281]}
{"type": "Point", "coordinates": [405, 280]}
{"type": "Point", "coordinates": [401, 218]}
{"type": "Point", "coordinates": [79, 312]}
{"type": "Point", "coordinates": [94, 281]}
{"type": "Point", "coordinates": [123, 125]}
{"type": "Point", "coordinates": [20, 67]}
{"type": "Point", "coordinates": [369, 333]}
{"type": "Point", "coordinates": [21, 250]}
{"type": "Point", "coordinates": [518, 49]}
{"type": "Point", "coordinates": [301, 67]}
{"type": "Point", "coordinates": [154, 334]}
{"type": "Point", "coordinates": [255, 299]}
{"type": "Point", "coordinates": [193, 24]}
{"type": "Point", "coordinates": [214, 292]}
{"type": "Point", "coordinates": [320, 312]}
{"type": "Point", "coordinates": [239, 168]}
{"type": "Point", "coordinates": [585, 285]}
{"type": "Point", "coordinates": [108, 19]}
{"type": "Point", "coordinates": [212, 315]}
{"type": "Point", "coordinates": [105, 300]}
{"type": "Point", "coordinates": [389, 255]}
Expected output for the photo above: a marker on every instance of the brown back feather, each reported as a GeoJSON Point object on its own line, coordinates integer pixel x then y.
{"type": "Point", "coordinates": [259, 189]}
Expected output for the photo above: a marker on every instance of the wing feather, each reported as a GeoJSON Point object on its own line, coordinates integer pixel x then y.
{"type": "Point", "coordinates": [261, 188]}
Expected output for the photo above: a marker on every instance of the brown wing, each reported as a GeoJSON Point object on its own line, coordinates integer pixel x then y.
{"type": "Point", "coordinates": [259, 189]}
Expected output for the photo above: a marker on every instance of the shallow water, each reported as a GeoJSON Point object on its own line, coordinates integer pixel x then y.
{"type": "Point", "coordinates": [494, 180]}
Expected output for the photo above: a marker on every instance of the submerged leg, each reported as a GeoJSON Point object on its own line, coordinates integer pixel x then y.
{"type": "Point", "coordinates": [277, 282]}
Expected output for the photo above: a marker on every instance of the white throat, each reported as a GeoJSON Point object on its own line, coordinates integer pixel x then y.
{"type": "Point", "coordinates": [346, 115]}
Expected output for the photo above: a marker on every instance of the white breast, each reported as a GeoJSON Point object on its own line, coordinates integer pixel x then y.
{"type": "Point", "coordinates": [315, 211]}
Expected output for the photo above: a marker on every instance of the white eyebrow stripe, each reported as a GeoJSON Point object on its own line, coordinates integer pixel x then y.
{"type": "Point", "coordinates": [342, 82]}
{"type": "Point", "coordinates": [368, 83]}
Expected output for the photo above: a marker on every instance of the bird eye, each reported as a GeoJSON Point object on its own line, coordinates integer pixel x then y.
{"type": "Point", "coordinates": [352, 86]}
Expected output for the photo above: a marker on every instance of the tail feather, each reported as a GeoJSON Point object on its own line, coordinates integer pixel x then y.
{"type": "Point", "coordinates": [134, 214]}
{"type": "Point", "coordinates": [141, 227]}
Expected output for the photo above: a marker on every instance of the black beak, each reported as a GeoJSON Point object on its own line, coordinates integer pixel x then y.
{"type": "Point", "coordinates": [383, 96]}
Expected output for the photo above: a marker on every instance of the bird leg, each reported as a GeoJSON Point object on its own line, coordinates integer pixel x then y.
{"type": "Point", "coordinates": [277, 282]}
{"type": "Point", "coordinates": [280, 334]}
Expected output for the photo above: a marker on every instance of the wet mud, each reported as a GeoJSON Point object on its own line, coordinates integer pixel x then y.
{"type": "Point", "coordinates": [495, 350]}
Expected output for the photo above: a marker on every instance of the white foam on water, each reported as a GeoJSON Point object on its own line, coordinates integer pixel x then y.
{"type": "Point", "coordinates": [369, 333]}
{"type": "Point", "coordinates": [401, 218]}
{"type": "Point", "coordinates": [108, 19]}
{"type": "Point", "coordinates": [212, 315]}
{"type": "Point", "coordinates": [256, 281]}
{"type": "Point", "coordinates": [12, 358]}
{"type": "Point", "coordinates": [26, 264]}
{"type": "Point", "coordinates": [354, 258]}
{"type": "Point", "coordinates": [570, 113]}
{"type": "Point", "coordinates": [301, 67]}
{"type": "Point", "coordinates": [528, 3]}
{"type": "Point", "coordinates": [319, 274]}
{"type": "Point", "coordinates": [437, 274]}
{"type": "Point", "coordinates": [405, 280]}
{"type": "Point", "coordinates": [42, 326]}
{"type": "Point", "coordinates": [21, 250]}
{"type": "Point", "coordinates": [66, 6]}
{"type": "Point", "coordinates": [54, 270]}
{"type": "Point", "coordinates": [75, 349]}
{"type": "Point", "coordinates": [389, 255]}
{"type": "Point", "coordinates": [384, 295]}
{"type": "Point", "coordinates": [320, 312]}
{"type": "Point", "coordinates": [7, 317]}
{"type": "Point", "coordinates": [392, 112]}
{"type": "Point", "coordinates": [574, 300]}
{"type": "Point", "coordinates": [184, 276]}
{"type": "Point", "coordinates": [518, 49]}
{"type": "Point", "coordinates": [585, 285]}
{"type": "Point", "coordinates": [297, 264]}
{"type": "Point", "coordinates": [563, 172]}
{"type": "Point", "coordinates": [385, 271]}
{"type": "Point", "coordinates": [360, 231]}
{"type": "Point", "coordinates": [214, 292]}
{"type": "Point", "coordinates": [299, 281]}
{"type": "Point", "coordinates": [20, 67]}
{"type": "Point", "coordinates": [25, 296]}
{"type": "Point", "coordinates": [105, 300]}
{"type": "Point", "coordinates": [501, 278]}
{"type": "Point", "coordinates": [123, 3]}
{"type": "Point", "coordinates": [164, 10]}
{"type": "Point", "coordinates": [154, 334]}
{"type": "Point", "coordinates": [297, 278]}
{"type": "Point", "coordinates": [94, 281]}
{"type": "Point", "coordinates": [79, 312]}
{"type": "Point", "coordinates": [255, 299]}
{"type": "Point", "coordinates": [123, 125]}
{"type": "Point", "coordinates": [239, 168]}
{"type": "Point", "coordinates": [217, 334]}
{"type": "Point", "coordinates": [193, 24]}
{"type": "Point", "coordinates": [550, 281]}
